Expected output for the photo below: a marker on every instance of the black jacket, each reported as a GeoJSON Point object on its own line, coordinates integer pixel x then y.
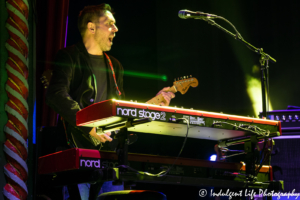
{"type": "Point", "coordinates": [72, 86]}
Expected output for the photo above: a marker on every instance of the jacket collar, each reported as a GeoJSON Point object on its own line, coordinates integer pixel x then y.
{"type": "Point", "coordinates": [81, 47]}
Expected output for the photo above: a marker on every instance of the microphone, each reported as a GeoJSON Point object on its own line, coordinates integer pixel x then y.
{"type": "Point", "coordinates": [187, 14]}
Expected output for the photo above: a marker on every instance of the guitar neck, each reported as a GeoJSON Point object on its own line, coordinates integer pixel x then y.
{"type": "Point", "coordinates": [159, 98]}
{"type": "Point", "coordinates": [172, 89]}
{"type": "Point", "coordinates": [181, 86]}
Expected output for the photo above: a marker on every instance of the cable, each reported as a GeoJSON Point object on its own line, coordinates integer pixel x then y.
{"type": "Point", "coordinates": [164, 172]}
{"type": "Point", "coordinates": [258, 131]}
{"type": "Point", "coordinates": [267, 154]}
{"type": "Point", "coordinates": [236, 31]}
{"type": "Point", "coordinates": [261, 157]}
{"type": "Point", "coordinates": [186, 136]}
{"type": "Point", "coordinates": [250, 128]}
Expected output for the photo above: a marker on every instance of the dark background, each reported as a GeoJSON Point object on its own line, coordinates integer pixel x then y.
{"type": "Point", "coordinates": [153, 39]}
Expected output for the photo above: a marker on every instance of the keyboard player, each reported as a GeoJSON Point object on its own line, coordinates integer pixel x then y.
{"type": "Point", "coordinates": [84, 74]}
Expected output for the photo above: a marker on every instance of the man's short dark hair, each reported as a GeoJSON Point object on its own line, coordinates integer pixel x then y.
{"type": "Point", "coordinates": [91, 14]}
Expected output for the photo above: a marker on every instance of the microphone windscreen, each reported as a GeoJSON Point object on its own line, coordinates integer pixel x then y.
{"type": "Point", "coordinates": [182, 14]}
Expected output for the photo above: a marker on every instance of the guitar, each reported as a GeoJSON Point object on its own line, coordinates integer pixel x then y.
{"type": "Point", "coordinates": [181, 85]}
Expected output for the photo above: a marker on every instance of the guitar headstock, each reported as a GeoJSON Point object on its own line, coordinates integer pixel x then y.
{"type": "Point", "coordinates": [183, 84]}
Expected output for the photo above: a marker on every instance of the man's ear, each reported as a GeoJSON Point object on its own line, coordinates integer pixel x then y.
{"type": "Point", "coordinates": [91, 27]}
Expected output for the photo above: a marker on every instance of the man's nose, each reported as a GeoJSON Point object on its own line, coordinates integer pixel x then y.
{"type": "Point", "coordinates": [115, 28]}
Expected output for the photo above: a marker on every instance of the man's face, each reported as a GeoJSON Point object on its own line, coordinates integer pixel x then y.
{"type": "Point", "coordinates": [105, 31]}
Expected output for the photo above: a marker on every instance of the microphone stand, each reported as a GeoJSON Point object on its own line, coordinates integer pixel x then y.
{"type": "Point", "coordinates": [264, 62]}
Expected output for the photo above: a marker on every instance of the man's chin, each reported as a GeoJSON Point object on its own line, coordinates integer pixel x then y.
{"type": "Point", "coordinates": [107, 49]}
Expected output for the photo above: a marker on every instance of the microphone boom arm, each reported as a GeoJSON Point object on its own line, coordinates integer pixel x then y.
{"type": "Point", "coordinates": [263, 59]}
{"type": "Point", "coordinates": [236, 36]}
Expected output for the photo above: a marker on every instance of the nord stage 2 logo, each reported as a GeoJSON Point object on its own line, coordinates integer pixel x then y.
{"type": "Point", "coordinates": [141, 113]}
{"type": "Point", "coordinates": [92, 163]}
{"type": "Point", "coordinates": [89, 163]}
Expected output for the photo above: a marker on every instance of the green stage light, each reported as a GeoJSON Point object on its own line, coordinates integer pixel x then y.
{"type": "Point", "coordinates": [145, 75]}
{"type": "Point", "coordinates": [141, 74]}
{"type": "Point", "coordinates": [254, 92]}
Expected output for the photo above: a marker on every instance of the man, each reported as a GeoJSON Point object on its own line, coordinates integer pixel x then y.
{"type": "Point", "coordinates": [84, 74]}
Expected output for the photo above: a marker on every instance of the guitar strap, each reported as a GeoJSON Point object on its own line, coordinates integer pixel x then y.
{"type": "Point", "coordinates": [113, 72]}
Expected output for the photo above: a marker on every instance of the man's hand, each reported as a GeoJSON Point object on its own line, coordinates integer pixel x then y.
{"type": "Point", "coordinates": [166, 95]}
{"type": "Point", "coordinates": [102, 137]}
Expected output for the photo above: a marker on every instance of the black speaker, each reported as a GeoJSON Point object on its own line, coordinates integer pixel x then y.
{"type": "Point", "coordinates": [286, 163]}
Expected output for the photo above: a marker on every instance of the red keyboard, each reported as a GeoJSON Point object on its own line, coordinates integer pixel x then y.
{"type": "Point", "coordinates": [203, 125]}
{"type": "Point", "coordinates": [86, 159]}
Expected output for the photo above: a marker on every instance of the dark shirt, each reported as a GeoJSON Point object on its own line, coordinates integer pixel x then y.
{"type": "Point", "coordinates": [100, 71]}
